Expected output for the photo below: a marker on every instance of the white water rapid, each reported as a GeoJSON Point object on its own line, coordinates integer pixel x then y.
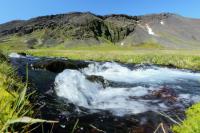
{"type": "Point", "coordinates": [128, 97]}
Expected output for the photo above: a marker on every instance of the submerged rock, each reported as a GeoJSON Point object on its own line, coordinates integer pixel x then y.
{"type": "Point", "coordinates": [98, 79]}
{"type": "Point", "coordinates": [165, 94]}
{"type": "Point", "coordinates": [58, 65]}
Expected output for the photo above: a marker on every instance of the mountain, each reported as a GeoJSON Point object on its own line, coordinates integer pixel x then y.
{"type": "Point", "coordinates": [166, 29]}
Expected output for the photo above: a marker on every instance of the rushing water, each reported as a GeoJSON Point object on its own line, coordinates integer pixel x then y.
{"type": "Point", "coordinates": [129, 94]}
{"type": "Point", "coordinates": [115, 93]}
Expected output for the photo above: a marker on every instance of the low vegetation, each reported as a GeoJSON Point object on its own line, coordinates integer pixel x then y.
{"type": "Point", "coordinates": [13, 102]}
{"type": "Point", "coordinates": [176, 58]}
{"type": "Point", "coordinates": [15, 108]}
{"type": "Point", "coordinates": [192, 123]}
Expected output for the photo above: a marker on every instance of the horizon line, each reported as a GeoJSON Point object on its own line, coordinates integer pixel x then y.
{"type": "Point", "coordinates": [96, 14]}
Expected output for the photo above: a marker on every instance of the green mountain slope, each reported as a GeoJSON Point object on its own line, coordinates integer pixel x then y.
{"type": "Point", "coordinates": [68, 30]}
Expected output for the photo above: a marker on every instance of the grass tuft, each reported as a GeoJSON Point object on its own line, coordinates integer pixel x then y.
{"type": "Point", "coordinates": [15, 108]}
{"type": "Point", "coordinates": [13, 103]}
{"type": "Point", "coordinates": [192, 122]}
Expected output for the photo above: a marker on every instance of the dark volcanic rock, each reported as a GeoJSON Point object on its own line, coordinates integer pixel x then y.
{"type": "Point", "coordinates": [55, 65]}
{"type": "Point", "coordinates": [22, 53]}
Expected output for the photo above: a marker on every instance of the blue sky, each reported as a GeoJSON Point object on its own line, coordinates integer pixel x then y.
{"type": "Point", "coordinates": [25, 9]}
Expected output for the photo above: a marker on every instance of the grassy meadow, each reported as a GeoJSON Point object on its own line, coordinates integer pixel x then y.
{"type": "Point", "coordinates": [148, 52]}
{"type": "Point", "coordinates": [177, 58]}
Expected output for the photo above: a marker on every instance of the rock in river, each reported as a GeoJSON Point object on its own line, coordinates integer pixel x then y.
{"type": "Point", "coordinates": [98, 79]}
{"type": "Point", "coordinates": [58, 65]}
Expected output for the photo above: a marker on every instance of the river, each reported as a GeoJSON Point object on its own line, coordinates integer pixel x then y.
{"type": "Point", "coordinates": [107, 97]}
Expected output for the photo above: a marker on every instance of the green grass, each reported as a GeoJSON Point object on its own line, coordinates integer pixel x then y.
{"type": "Point", "coordinates": [16, 42]}
{"type": "Point", "coordinates": [192, 123]}
{"type": "Point", "coordinates": [15, 109]}
{"type": "Point", "coordinates": [12, 42]}
{"type": "Point", "coordinates": [13, 102]}
{"type": "Point", "coordinates": [179, 58]}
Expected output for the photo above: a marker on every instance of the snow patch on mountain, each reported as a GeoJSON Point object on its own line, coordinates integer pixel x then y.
{"type": "Point", "coordinates": [150, 30]}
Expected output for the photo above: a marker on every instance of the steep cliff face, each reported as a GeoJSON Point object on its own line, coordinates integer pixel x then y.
{"type": "Point", "coordinates": [168, 30]}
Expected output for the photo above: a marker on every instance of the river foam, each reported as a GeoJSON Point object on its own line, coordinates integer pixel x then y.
{"type": "Point", "coordinates": [120, 100]}
{"type": "Point", "coordinates": [15, 55]}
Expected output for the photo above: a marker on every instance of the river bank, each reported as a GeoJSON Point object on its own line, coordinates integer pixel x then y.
{"type": "Point", "coordinates": [175, 58]}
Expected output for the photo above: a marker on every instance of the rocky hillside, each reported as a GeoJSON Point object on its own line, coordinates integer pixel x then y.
{"type": "Point", "coordinates": [167, 30]}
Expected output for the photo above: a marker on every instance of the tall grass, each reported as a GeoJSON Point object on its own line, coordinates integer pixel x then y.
{"type": "Point", "coordinates": [13, 101]}
{"type": "Point", "coordinates": [190, 125]}
{"type": "Point", "coordinates": [192, 122]}
{"type": "Point", "coordinates": [15, 109]}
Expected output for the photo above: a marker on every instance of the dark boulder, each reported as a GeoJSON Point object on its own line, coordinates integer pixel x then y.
{"type": "Point", "coordinates": [98, 79]}
{"type": "Point", "coordinates": [22, 54]}
{"type": "Point", "coordinates": [58, 65]}
{"type": "Point", "coordinates": [165, 93]}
